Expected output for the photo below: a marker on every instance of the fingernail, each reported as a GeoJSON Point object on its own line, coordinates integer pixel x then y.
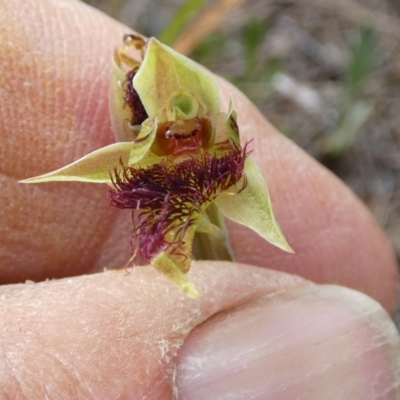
{"type": "Point", "coordinates": [321, 342]}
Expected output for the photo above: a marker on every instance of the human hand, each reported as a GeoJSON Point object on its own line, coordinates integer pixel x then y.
{"type": "Point", "coordinates": [110, 335]}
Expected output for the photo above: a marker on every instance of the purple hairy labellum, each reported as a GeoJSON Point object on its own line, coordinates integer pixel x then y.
{"type": "Point", "coordinates": [171, 196]}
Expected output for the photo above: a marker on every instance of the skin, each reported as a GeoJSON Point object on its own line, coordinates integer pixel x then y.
{"type": "Point", "coordinates": [54, 74]}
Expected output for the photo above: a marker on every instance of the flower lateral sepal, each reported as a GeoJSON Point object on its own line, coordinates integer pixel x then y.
{"type": "Point", "coordinates": [252, 207]}
{"type": "Point", "coordinates": [95, 167]}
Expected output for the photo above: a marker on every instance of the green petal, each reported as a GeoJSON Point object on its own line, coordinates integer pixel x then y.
{"type": "Point", "coordinates": [164, 71]}
{"type": "Point", "coordinates": [143, 142]}
{"type": "Point", "coordinates": [252, 207]}
{"type": "Point", "coordinates": [94, 167]}
{"type": "Point", "coordinates": [226, 127]}
{"type": "Point", "coordinates": [231, 124]}
{"type": "Point", "coordinates": [119, 113]}
{"type": "Point", "coordinates": [165, 264]}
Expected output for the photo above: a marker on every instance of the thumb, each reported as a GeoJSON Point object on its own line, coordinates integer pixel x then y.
{"type": "Point", "coordinates": [253, 334]}
{"type": "Point", "coordinates": [320, 342]}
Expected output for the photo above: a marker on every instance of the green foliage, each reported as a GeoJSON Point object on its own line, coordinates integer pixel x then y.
{"type": "Point", "coordinates": [253, 35]}
{"type": "Point", "coordinates": [179, 20]}
{"type": "Point", "coordinates": [349, 124]}
{"type": "Point", "coordinates": [362, 57]}
{"type": "Point", "coordinates": [256, 79]}
{"type": "Point", "coordinates": [355, 111]}
{"type": "Point", "coordinates": [210, 48]}
{"type": "Point", "coordinates": [271, 68]}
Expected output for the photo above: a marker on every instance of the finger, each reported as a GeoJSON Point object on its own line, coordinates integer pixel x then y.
{"type": "Point", "coordinates": [114, 335]}
{"type": "Point", "coordinates": [59, 77]}
{"type": "Point", "coordinates": [54, 75]}
{"type": "Point", "coordinates": [324, 342]}
{"type": "Point", "coordinates": [334, 236]}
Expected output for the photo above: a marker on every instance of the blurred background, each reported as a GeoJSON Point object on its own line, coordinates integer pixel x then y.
{"type": "Point", "coordinates": [326, 73]}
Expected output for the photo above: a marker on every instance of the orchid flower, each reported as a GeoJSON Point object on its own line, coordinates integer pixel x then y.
{"type": "Point", "coordinates": [179, 161]}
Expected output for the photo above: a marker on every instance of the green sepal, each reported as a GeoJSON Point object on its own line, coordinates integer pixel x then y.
{"type": "Point", "coordinates": [164, 71]}
{"type": "Point", "coordinates": [252, 207]}
{"type": "Point", "coordinates": [95, 167]}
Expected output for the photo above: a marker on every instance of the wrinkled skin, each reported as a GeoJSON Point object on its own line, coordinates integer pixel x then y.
{"type": "Point", "coordinates": [116, 335]}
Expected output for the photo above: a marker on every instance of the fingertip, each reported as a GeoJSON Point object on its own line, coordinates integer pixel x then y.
{"type": "Point", "coordinates": [319, 340]}
{"type": "Point", "coordinates": [334, 236]}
